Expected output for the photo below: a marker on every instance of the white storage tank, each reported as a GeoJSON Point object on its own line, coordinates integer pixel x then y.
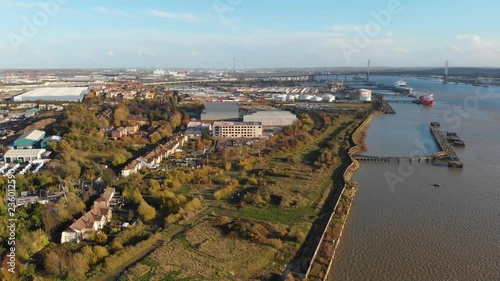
{"type": "Point", "coordinates": [317, 99]}
{"type": "Point", "coordinates": [305, 97]}
{"type": "Point", "coordinates": [329, 98]}
{"type": "Point", "coordinates": [365, 95]}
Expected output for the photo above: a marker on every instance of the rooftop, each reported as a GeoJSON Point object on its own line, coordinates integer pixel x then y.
{"type": "Point", "coordinates": [225, 123]}
{"type": "Point", "coordinates": [33, 135]}
{"type": "Point", "coordinates": [221, 106]}
{"type": "Point", "coordinates": [272, 113]}
{"type": "Point", "coordinates": [66, 93]}
{"type": "Point", "coordinates": [23, 152]}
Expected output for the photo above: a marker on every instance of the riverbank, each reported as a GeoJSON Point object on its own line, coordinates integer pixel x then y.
{"type": "Point", "coordinates": [333, 233]}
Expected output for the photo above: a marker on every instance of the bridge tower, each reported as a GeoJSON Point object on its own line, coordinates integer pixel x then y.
{"type": "Point", "coordinates": [445, 79]}
{"type": "Point", "coordinates": [368, 72]}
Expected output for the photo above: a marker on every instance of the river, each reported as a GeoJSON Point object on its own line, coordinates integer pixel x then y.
{"type": "Point", "coordinates": [402, 227]}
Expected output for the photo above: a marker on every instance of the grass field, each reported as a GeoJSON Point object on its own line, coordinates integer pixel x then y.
{"type": "Point", "coordinates": [278, 215]}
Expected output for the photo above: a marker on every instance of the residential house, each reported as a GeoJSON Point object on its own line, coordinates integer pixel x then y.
{"type": "Point", "coordinates": [131, 129]}
{"type": "Point", "coordinates": [118, 133]}
{"type": "Point", "coordinates": [91, 221]}
{"type": "Point", "coordinates": [132, 168]}
{"type": "Point", "coordinates": [154, 158]}
{"type": "Point", "coordinates": [107, 130]}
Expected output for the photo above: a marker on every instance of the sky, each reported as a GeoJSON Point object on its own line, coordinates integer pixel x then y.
{"type": "Point", "coordinates": [258, 33]}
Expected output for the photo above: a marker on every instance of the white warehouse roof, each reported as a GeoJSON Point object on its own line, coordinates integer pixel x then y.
{"type": "Point", "coordinates": [23, 152]}
{"type": "Point", "coordinates": [271, 118]}
{"type": "Point", "coordinates": [33, 135]}
{"type": "Point", "coordinates": [54, 94]}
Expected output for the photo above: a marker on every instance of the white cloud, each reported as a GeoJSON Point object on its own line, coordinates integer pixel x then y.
{"type": "Point", "coordinates": [104, 10]}
{"type": "Point", "coordinates": [111, 53]}
{"type": "Point", "coordinates": [185, 17]}
{"type": "Point", "coordinates": [195, 53]}
{"type": "Point", "coordinates": [476, 39]}
{"type": "Point", "coordinates": [455, 49]}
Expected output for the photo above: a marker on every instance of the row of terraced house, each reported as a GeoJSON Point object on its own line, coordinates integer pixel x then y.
{"type": "Point", "coordinates": [154, 158]}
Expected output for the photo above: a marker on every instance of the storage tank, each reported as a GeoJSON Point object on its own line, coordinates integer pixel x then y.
{"type": "Point", "coordinates": [365, 95]}
{"type": "Point", "coordinates": [328, 98]}
{"type": "Point", "coordinates": [305, 97]}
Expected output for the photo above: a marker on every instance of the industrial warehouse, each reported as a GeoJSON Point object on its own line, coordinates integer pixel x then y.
{"type": "Point", "coordinates": [23, 155]}
{"type": "Point", "coordinates": [29, 140]}
{"type": "Point", "coordinates": [75, 94]}
{"type": "Point", "coordinates": [216, 111]}
{"type": "Point", "coordinates": [271, 118]}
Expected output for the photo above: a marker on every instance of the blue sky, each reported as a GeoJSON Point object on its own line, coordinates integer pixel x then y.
{"type": "Point", "coordinates": [278, 33]}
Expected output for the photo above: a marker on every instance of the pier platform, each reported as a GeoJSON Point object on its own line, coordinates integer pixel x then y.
{"type": "Point", "coordinates": [444, 140]}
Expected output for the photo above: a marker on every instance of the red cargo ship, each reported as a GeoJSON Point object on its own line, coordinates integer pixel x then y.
{"type": "Point", "coordinates": [427, 99]}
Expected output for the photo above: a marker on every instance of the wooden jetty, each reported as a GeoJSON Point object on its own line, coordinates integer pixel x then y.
{"type": "Point", "coordinates": [445, 155]}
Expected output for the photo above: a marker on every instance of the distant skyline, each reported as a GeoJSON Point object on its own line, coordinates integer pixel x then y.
{"type": "Point", "coordinates": [264, 34]}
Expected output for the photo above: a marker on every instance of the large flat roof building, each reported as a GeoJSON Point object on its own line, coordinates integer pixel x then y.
{"type": "Point", "coordinates": [29, 140]}
{"type": "Point", "coordinates": [23, 155]}
{"type": "Point", "coordinates": [237, 129]}
{"type": "Point", "coordinates": [220, 111]}
{"type": "Point", "coordinates": [271, 118]}
{"type": "Point", "coordinates": [54, 94]}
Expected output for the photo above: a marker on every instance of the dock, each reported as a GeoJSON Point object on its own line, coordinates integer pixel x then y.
{"type": "Point", "coordinates": [385, 107]}
{"type": "Point", "coordinates": [446, 155]}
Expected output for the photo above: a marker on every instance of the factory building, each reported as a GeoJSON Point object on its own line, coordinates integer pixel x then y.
{"type": "Point", "coordinates": [220, 111]}
{"type": "Point", "coordinates": [237, 129]}
{"type": "Point", "coordinates": [271, 118]}
{"type": "Point", "coordinates": [23, 155]}
{"type": "Point", "coordinates": [75, 94]}
{"type": "Point", "coordinates": [196, 129]}
{"type": "Point", "coordinates": [29, 140]}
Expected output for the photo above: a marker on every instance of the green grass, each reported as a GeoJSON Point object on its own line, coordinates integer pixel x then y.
{"type": "Point", "coordinates": [181, 237]}
{"type": "Point", "coordinates": [277, 215]}
{"type": "Point", "coordinates": [150, 262]}
{"type": "Point", "coordinates": [172, 276]}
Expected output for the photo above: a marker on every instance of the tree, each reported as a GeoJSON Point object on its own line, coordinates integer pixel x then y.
{"type": "Point", "coordinates": [205, 135]}
{"type": "Point", "coordinates": [52, 146]}
{"type": "Point", "coordinates": [118, 159]}
{"type": "Point", "coordinates": [101, 238]}
{"type": "Point", "coordinates": [120, 115]}
{"type": "Point", "coordinates": [146, 212]}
